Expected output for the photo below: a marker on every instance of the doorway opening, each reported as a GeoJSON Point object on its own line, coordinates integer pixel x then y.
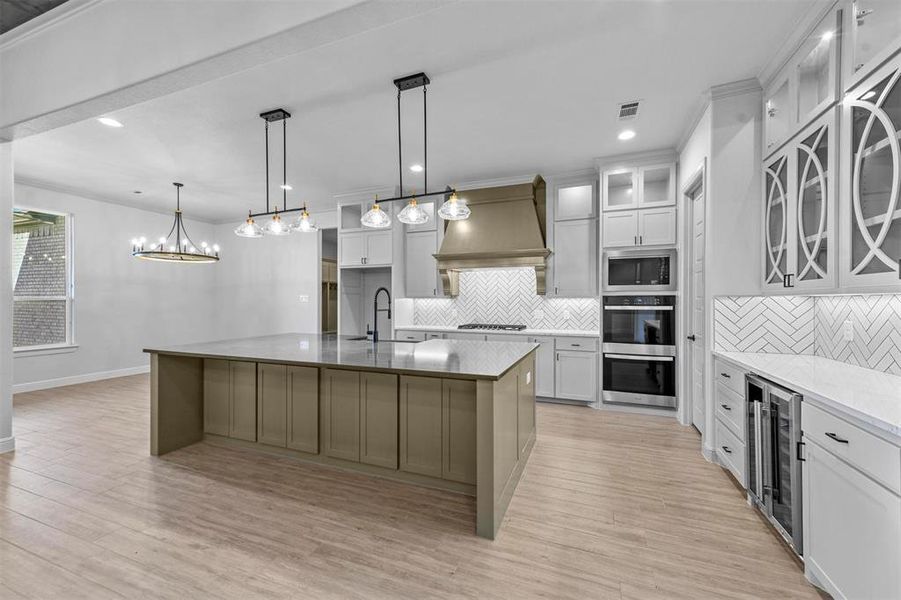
{"type": "Point", "coordinates": [329, 298]}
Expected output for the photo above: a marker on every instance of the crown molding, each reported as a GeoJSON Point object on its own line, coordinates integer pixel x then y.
{"type": "Point", "coordinates": [44, 21]}
{"type": "Point", "coordinates": [735, 88]}
{"type": "Point", "coordinates": [476, 184]}
{"type": "Point", "coordinates": [636, 158]}
{"type": "Point", "coordinates": [804, 28]}
{"type": "Point", "coordinates": [697, 114]}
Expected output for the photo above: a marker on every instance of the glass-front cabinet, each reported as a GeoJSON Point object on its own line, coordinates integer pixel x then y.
{"type": "Point", "coordinates": [815, 70]}
{"type": "Point", "coordinates": [620, 189]}
{"type": "Point", "coordinates": [799, 210]}
{"type": "Point", "coordinates": [872, 155]}
{"type": "Point", "coordinates": [777, 114]}
{"type": "Point", "coordinates": [872, 35]}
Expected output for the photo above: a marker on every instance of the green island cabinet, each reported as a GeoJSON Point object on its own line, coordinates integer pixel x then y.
{"type": "Point", "coordinates": [230, 398]}
{"type": "Point", "coordinates": [288, 407]}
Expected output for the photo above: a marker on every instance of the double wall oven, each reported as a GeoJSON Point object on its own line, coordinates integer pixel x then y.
{"type": "Point", "coordinates": [640, 350]}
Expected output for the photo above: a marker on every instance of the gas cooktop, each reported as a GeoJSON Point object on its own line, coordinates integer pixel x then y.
{"type": "Point", "coordinates": [492, 326]}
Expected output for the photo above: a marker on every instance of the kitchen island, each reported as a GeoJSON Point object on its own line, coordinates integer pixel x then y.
{"type": "Point", "coordinates": [453, 414]}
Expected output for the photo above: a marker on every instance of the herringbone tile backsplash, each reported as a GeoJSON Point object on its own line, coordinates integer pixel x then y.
{"type": "Point", "coordinates": [506, 296]}
{"type": "Point", "coordinates": [813, 325]}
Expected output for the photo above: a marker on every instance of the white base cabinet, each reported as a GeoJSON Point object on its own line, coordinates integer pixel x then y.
{"type": "Point", "coordinates": [852, 529]}
{"type": "Point", "coordinates": [544, 366]}
{"type": "Point", "coordinates": [576, 375]}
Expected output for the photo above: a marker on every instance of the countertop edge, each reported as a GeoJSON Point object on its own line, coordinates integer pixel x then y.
{"type": "Point", "coordinates": [329, 365]}
{"type": "Point", "coordinates": [866, 421]}
{"type": "Point", "coordinates": [535, 332]}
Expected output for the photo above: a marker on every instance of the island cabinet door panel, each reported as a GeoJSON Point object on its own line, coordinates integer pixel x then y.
{"type": "Point", "coordinates": [378, 419]}
{"type": "Point", "coordinates": [341, 414]}
{"type": "Point", "coordinates": [242, 400]}
{"type": "Point", "coordinates": [215, 396]}
{"type": "Point", "coordinates": [459, 430]}
{"type": "Point", "coordinates": [272, 404]}
{"type": "Point", "coordinates": [303, 409]}
{"type": "Point", "coordinates": [420, 425]}
{"type": "Point", "coordinates": [526, 404]}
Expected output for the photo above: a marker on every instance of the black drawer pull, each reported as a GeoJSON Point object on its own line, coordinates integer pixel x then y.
{"type": "Point", "coordinates": [575, 345]}
{"type": "Point", "coordinates": [833, 436]}
{"type": "Point", "coordinates": [726, 375]}
{"type": "Point", "coordinates": [727, 449]}
{"type": "Point", "coordinates": [726, 407]}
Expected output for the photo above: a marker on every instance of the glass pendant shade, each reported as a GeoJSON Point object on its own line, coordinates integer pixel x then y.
{"type": "Point", "coordinates": [454, 209]}
{"type": "Point", "coordinates": [276, 227]}
{"type": "Point", "coordinates": [412, 214]}
{"type": "Point", "coordinates": [375, 218]}
{"type": "Point", "coordinates": [249, 229]}
{"type": "Point", "coordinates": [304, 224]}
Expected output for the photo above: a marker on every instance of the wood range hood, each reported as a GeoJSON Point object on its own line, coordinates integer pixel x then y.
{"type": "Point", "coordinates": [506, 229]}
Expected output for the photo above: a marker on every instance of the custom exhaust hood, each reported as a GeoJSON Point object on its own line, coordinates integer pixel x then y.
{"type": "Point", "coordinates": [506, 229]}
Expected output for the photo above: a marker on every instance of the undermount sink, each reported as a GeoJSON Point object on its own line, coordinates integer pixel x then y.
{"type": "Point", "coordinates": [364, 338]}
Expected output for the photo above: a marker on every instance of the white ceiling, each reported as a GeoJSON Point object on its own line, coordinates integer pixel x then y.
{"type": "Point", "coordinates": [518, 87]}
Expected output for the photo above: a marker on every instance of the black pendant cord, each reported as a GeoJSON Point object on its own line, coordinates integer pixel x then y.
{"type": "Point", "coordinates": [285, 164]}
{"type": "Point", "coordinates": [400, 161]}
{"type": "Point", "coordinates": [267, 167]}
{"type": "Point", "coordinates": [425, 142]}
{"type": "Point", "coordinates": [178, 225]}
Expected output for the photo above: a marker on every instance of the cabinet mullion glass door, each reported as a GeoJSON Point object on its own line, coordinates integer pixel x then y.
{"type": "Point", "coordinates": [776, 221]}
{"type": "Point", "coordinates": [814, 160]}
{"type": "Point", "coordinates": [875, 175]}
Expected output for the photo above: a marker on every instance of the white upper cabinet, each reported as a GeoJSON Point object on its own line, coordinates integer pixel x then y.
{"type": "Point", "coordinates": [657, 227]}
{"type": "Point", "coordinates": [429, 207]}
{"type": "Point", "coordinates": [872, 33]}
{"type": "Point", "coordinates": [816, 70]}
{"type": "Point", "coordinates": [620, 189]}
{"type": "Point", "coordinates": [657, 186]}
{"type": "Point", "coordinates": [777, 112]}
{"type": "Point", "coordinates": [620, 229]}
{"type": "Point", "coordinates": [575, 202]}
{"type": "Point", "coordinates": [378, 247]}
{"type": "Point", "coordinates": [871, 158]}
{"type": "Point", "coordinates": [421, 266]}
{"type": "Point", "coordinates": [349, 217]}
{"type": "Point", "coordinates": [573, 236]}
{"type": "Point", "coordinates": [777, 215]}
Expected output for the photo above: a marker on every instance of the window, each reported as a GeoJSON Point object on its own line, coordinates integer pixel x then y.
{"type": "Point", "coordinates": [42, 280]}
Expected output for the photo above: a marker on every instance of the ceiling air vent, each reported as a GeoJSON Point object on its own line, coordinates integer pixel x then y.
{"type": "Point", "coordinates": [628, 110]}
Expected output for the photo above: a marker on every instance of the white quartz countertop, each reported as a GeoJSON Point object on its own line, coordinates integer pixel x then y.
{"type": "Point", "coordinates": [865, 395]}
{"type": "Point", "coordinates": [548, 332]}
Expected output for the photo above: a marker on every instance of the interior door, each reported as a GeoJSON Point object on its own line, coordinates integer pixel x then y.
{"type": "Point", "coordinates": [697, 314]}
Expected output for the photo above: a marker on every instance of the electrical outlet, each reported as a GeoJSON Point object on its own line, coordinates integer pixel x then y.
{"type": "Point", "coordinates": [304, 298]}
{"type": "Point", "coordinates": [528, 377]}
{"type": "Point", "coordinates": [567, 315]}
{"type": "Point", "coordinates": [848, 331]}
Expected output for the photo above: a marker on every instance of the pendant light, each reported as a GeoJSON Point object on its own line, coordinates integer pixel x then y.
{"type": "Point", "coordinates": [375, 217]}
{"type": "Point", "coordinates": [454, 209]}
{"type": "Point", "coordinates": [275, 225]}
{"type": "Point", "coordinates": [304, 223]}
{"type": "Point", "coordinates": [176, 246]}
{"type": "Point", "coordinates": [412, 213]}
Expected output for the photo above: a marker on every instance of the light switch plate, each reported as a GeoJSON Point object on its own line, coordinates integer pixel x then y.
{"type": "Point", "coordinates": [528, 377]}
{"type": "Point", "coordinates": [848, 331]}
{"type": "Point", "coordinates": [304, 298]}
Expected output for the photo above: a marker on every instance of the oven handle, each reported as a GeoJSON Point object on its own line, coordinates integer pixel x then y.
{"type": "Point", "coordinates": [644, 307]}
{"type": "Point", "coordinates": [643, 357]}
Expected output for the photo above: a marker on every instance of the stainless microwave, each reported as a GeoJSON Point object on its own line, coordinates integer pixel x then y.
{"type": "Point", "coordinates": [640, 271]}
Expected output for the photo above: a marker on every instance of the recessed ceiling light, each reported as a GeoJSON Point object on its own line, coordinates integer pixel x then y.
{"type": "Point", "coordinates": [626, 134]}
{"type": "Point", "coordinates": [416, 168]}
{"type": "Point", "coordinates": [827, 36]}
{"type": "Point", "coordinates": [109, 122]}
{"type": "Point", "coordinates": [286, 187]}
{"type": "Point", "coordinates": [137, 192]}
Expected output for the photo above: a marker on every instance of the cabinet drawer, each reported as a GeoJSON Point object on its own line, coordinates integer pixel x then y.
{"type": "Point", "coordinates": [730, 409]}
{"type": "Point", "coordinates": [731, 451]}
{"type": "Point", "coordinates": [872, 455]}
{"type": "Point", "coordinates": [413, 336]}
{"type": "Point", "coordinates": [730, 376]}
{"type": "Point", "coordinates": [578, 344]}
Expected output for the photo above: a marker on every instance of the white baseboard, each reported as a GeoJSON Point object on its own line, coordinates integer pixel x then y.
{"type": "Point", "coordinates": [72, 380]}
{"type": "Point", "coordinates": [7, 444]}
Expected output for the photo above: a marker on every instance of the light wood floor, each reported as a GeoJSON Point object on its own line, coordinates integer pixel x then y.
{"type": "Point", "coordinates": [610, 506]}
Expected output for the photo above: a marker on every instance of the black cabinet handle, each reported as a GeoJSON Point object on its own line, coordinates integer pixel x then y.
{"type": "Point", "coordinates": [833, 436]}
{"type": "Point", "coordinates": [726, 407]}
{"type": "Point", "coordinates": [691, 337]}
{"type": "Point", "coordinates": [727, 449]}
{"type": "Point", "coordinates": [787, 280]}
{"type": "Point", "coordinates": [576, 345]}
{"type": "Point", "coordinates": [726, 375]}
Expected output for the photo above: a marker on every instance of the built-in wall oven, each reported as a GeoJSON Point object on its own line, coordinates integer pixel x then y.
{"type": "Point", "coordinates": [773, 464]}
{"type": "Point", "coordinates": [639, 271]}
{"type": "Point", "coordinates": [639, 351]}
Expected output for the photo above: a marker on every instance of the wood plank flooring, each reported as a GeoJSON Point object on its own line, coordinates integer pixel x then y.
{"type": "Point", "coordinates": [611, 506]}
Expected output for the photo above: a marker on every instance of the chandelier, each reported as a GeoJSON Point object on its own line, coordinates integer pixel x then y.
{"type": "Point", "coordinates": [275, 225]}
{"type": "Point", "coordinates": [176, 246]}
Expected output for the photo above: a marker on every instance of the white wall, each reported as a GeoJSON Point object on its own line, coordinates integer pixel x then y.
{"type": "Point", "coordinates": [260, 281]}
{"type": "Point", "coordinates": [6, 293]}
{"type": "Point", "coordinates": [121, 304]}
